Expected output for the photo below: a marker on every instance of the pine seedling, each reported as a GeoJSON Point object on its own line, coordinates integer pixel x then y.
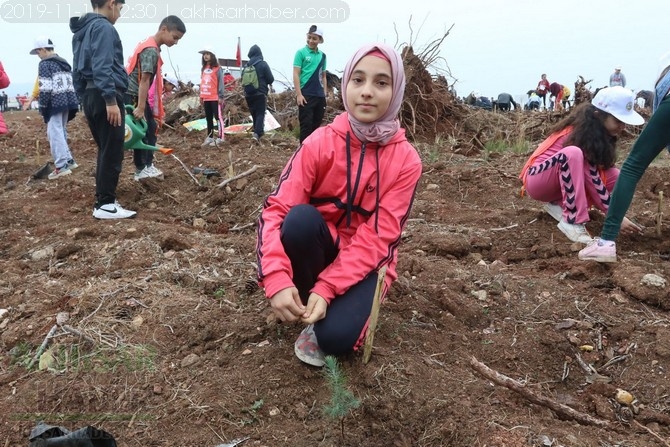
{"type": "Point", "coordinates": [342, 401]}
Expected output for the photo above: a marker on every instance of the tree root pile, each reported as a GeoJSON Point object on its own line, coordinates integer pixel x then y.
{"type": "Point", "coordinates": [430, 110]}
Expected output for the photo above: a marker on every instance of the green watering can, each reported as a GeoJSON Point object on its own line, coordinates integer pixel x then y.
{"type": "Point", "coordinates": [135, 131]}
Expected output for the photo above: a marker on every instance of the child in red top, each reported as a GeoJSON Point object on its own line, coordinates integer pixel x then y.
{"type": "Point", "coordinates": [4, 83]}
{"type": "Point", "coordinates": [542, 89]}
{"type": "Point", "coordinates": [229, 81]}
{"type": "Point", "coordinates": [144, 67]}
{"type": "Point", "coordinates": [211, 95]}
{"type": "Point", "coordinates": [338, 211]}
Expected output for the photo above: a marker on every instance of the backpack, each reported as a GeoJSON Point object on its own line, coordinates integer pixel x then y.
{"type": "Point", "coordinates": [249, 80]}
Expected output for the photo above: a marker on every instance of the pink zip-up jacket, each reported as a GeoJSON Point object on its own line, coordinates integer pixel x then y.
{"type": "Point", "coordinates": [365, 207]}
{"type": "Point", "coordinates": [4, 83]}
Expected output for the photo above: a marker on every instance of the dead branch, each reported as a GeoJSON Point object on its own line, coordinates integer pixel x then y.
{"type": "Point", "coordinates": [43, 346]}
{"type": "Point", "coordinates": [78, 333]}
{"type": "Point", "coordinates": [188, 171]}
{"type": "Point", "coordinates": [238, 176]}
{"type": "Point", "coordinates": [519, 388]}
{"type": "Point", "coordinates": [651, 432]}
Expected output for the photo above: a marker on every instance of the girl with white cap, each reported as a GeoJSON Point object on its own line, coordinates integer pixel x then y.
{"type": "Point", "coordinates": [573, 169]}
{"type": "Point", "coordinates": [211, 95]}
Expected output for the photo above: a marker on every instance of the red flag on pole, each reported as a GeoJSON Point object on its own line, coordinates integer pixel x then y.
{"type": "Point", "coordinates": [238, 55]}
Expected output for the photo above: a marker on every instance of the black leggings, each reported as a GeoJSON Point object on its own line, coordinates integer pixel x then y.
{"type": "Point", "coordinates": [309, 246]}
{"type": "Point", "coordinates": [211, 113]}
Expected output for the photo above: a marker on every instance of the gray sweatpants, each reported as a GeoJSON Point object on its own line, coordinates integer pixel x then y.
{"type": "Point", "coordinates": [57, 135]}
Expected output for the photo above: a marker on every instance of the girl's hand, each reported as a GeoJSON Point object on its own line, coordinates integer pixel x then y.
{"type": "Point", "coordinates": [628, 227]}
{"type": "Point", "coordinates": [286, 305]}
{"type": "Point", "coordinates": [316, 310]}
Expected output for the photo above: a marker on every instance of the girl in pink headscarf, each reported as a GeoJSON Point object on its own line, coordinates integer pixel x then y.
{"type": "Point", "coordinates": [336, 216]}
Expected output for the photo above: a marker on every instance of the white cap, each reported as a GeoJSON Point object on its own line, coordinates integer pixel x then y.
{"type": "Point", "coordinates": [618, 102]}
{"type": "Point", "coordinates": [167, 77]}
{"type": "Point", "coordinates": [316, 30]}
{"type": "Point", "coordinates": [207, 49]}
{"type": "Point", "coordinates": [42, 42]}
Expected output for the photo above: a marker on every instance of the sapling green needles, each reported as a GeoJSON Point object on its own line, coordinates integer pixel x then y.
{"type": "Point", "coordinates": [342, 401]}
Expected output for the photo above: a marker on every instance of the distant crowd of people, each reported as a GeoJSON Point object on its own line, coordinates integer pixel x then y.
{"type": "Point", "coordinates": [548, 96]}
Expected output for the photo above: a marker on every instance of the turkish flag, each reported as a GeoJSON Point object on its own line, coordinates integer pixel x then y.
{"type": "Point", "coordinates": [238, 55]}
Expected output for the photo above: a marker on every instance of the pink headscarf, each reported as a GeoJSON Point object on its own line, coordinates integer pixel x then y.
{"type": "Point", "coordinates": [382, 130]}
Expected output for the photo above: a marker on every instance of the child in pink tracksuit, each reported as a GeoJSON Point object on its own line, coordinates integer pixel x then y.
{"type": "Point", "coordinates": [337, 214]}
{"type": "Point", "coordinates": [573, 168]}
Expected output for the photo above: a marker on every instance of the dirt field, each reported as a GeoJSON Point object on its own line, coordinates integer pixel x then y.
{"type": "Point", "coordinates": [182, 352]}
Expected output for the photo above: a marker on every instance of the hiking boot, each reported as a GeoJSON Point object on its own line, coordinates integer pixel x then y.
{"type": "Point", "coordinates": [72, 164]}
{"type": "Point", "coordinates": [142, 173]}
{"type": "Point", "coordinates": [307, 349]}
{"type": "Point", "coordinates": [554, 210]}
{"type": "Point", "coordinates": [209, 141]}
{"type": "Point", "coordinates": [59, 173]}
{"type": "Point", "coordinates": [575, 232]}
{"type": "Point", "coordinates": [599, 251]}
{"type": "Point", "coordinates": [112, 211]}
{"type": "Point", "coordinates": [154, 172]}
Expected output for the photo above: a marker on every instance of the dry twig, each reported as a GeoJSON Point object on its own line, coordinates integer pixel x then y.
{"type": "Point", "coordinates": [519, 388]}
{"type": "Point", "coordinates": [238, 176]}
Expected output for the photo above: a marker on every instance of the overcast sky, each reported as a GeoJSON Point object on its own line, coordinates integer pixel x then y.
{"type": "Point", "coordinates": [494, 46]}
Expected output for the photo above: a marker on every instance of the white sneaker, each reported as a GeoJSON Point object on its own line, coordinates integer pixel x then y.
{"type": "Point", "coordinates": [154, 172]}
{"type": "Point", "coordinates": [144, 173]}
{"type": "Point", "coordinates": [209, 141]}
{"type": "Point", "coordinates": [112, 211]}
{"type": "Point", "coordinates": [599, 250]}
{"type": "Point", "coordinates": [575, 232]}
{"type": "Point", "coordinates": [554, 210]}
{"type": "Point", "coordinates": [218, 141]}
{"type": "Point", "coordinates": [57, 173]}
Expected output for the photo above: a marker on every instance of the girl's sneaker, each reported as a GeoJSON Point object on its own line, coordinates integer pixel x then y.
{"type": "Point", "coordinates": [599, 251]}
{"type": "Point", "coordinates": [554, 210]}
{"type": "Point", "coordinates": [307, 348]}
{"type": "Point", "coordinates": [209, 141]}
{"type": "Point", "coordinates": [575, 232]}
{"type": "Point", "coordinates": [56, 173]}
